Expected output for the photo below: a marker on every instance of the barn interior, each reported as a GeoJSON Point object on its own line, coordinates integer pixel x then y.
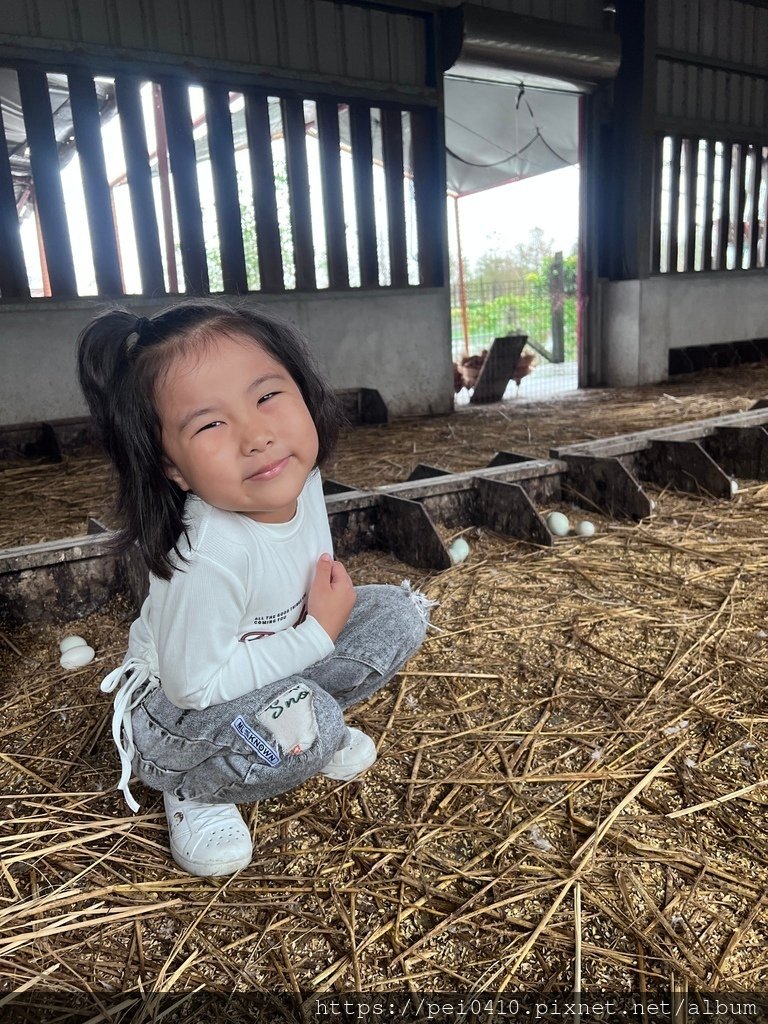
{"type": "Point", "coordinates": [569, 797]}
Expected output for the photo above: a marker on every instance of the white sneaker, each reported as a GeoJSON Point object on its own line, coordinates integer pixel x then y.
{"type": "Point", "coordinates": [207, 839]}
{"type": "Point", "coordinates": [353, 758]}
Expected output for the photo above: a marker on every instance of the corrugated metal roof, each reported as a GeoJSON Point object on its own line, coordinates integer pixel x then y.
{"type": "Point", "coordinates": [298, 37]}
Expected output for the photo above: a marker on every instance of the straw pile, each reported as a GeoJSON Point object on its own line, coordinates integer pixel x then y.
{"type": "Point", "coordinates": [570, 791]}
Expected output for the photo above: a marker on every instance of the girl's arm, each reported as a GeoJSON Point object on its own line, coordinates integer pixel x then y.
{"type": "Point", "coordinates": [202, 660]}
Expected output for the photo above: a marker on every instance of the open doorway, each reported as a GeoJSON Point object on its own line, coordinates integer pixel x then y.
{"type": "Point", "coordinates": [513, 224]}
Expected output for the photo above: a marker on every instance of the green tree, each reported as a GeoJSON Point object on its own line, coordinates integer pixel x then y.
{"type": "Point", "coordinates": [497, 267]}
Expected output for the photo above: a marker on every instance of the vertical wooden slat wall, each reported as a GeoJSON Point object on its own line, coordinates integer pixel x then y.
{"type": "Point", "coordinates": [49, 195]}
{"type": "Point", "coordinates": [362, 163]}
{"type": "Point", "coordinates": [164, 184]}
{"type": "Point", "coordinates": [732, 205]}
{"type": "Point", "coordinates": [691, 168]}
{"type": "Point", "coordinates": [392, 145]}
{"type": "Point", "coordinates": [98, 203]}
{"type": "Point", "coordinates": [333, 199]}
{"type": "Point", "coordinates": [754, 221]}
{"type": "Point", "coordinates": [725, 208]}
{"type": "Point", "coordinates": [176, 146]}
{"type": "Point", "coordinates": [14, 283]}
{"type": "Point", "coordinates": [709, 195]}
{"type": "Point", "coordinates": [741, 197]}
{"type": "Point", "coordinates": [674, 202]}
{"type": "Point", "coordinates": [139, 177]}
{"type": "Point", "coordinates": [658, 229]}
{"type": "Point", "coordinates": [298, 189]}
{"type": "Point", "coordinates": [263, 186]}
{"type": "Point", "coordinates": [181, 151]}
{"type": "Point", "coordinates": [221, 147]}
{"type": "Point", "coordinates": [430, 196]}
{"type": "Point", "coordinates": [710, 77]}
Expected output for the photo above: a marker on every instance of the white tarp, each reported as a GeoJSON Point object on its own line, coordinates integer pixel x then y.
{"type": "Point", "coordinates": [497, 133]}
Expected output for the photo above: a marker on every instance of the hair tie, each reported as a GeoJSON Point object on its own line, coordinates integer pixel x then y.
{"type": "Point", "coordinates": [138, 333]}
{"type": "Point", "coordinates": [142, 323]}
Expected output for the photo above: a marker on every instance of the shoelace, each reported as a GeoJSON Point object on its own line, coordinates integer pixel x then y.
{"type": "Point", "coordinates": [137, 685]}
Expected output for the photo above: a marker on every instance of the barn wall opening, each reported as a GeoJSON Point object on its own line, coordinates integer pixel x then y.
{"type": "Point", "coordinates": [513, 111]}
{"type": "Point", "coordinates": [513, 230]}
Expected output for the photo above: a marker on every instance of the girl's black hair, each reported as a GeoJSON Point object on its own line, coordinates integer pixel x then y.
{"type": "Point", "coordinates": [121, 358]}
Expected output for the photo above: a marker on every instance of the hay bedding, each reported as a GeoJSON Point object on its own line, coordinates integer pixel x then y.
{"type": "Point", "coordinates": [570, 786]}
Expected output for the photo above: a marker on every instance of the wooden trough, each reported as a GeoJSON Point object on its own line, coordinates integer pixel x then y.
{"type": "Point", "coordinates": [62, 580]}
{"type": "Point", "coordinates": [702, 457]}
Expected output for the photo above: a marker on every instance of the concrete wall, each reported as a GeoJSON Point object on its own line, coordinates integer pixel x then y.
{"type": "Point", "coordinates": [643, 320]}
{"type": "Point", "coordinates": [394, 342]}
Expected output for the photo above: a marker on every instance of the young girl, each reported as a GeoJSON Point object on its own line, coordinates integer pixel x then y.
{"type": "Point", "coordinates": [253, 640]}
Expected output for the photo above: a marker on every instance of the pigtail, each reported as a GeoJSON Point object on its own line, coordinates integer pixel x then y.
{"type": "Point", "coordinates": [149, 505]}
{"type": "Point", "coordinates": [102, 364]}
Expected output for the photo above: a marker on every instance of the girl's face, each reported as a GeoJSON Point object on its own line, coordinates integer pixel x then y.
{"type": "Point", "coordinates": [236, 430]}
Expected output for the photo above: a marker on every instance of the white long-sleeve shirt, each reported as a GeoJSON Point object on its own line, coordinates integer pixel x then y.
{"type": "Point", "coordinates": [221, 626]}
{"type": "Point", "coordinates": [232, 618]}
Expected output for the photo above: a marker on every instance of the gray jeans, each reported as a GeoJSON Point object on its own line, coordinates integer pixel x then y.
{"type": "Point", "coordinates": [271, 740]}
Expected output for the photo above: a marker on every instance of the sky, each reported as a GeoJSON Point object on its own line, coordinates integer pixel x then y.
{"type": "Point", "coordinates": [499, 218]}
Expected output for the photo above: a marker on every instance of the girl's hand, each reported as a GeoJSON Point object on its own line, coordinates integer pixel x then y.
{"type": "Point", "coordinates": [331, 596]}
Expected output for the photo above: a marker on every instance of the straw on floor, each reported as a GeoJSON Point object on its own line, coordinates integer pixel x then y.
{"type": "Point", "coordinates": [570, 791]}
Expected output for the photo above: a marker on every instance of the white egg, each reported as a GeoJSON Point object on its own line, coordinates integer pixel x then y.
{"type": "Point", "coordinates": [77, 656]}
{"type": "Point", "coordinates": [585, 528]}
{"type": "Point", "coordinates": [558, 524]}
{"type": "Point", "coordinates": [458, 550]}
{"type": "Point", "coordinates": [75, 652]}
{"type": "Point", "coordinates": [734, 486]}
{"type": "Point", "coordinates": [71, 641]}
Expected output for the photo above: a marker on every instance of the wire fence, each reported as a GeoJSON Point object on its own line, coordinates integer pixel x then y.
{"type": "Point", "coordinates": [547, 314]}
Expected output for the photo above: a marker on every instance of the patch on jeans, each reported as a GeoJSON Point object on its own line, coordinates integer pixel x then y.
{"type": "Point", "coordinates": [290, 719]}
{"type": "Point", "coordinates": [256, 742]}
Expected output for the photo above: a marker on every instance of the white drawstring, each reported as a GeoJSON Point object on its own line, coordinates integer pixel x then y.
{"type": "Point", "coordinates": [137, 685]}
